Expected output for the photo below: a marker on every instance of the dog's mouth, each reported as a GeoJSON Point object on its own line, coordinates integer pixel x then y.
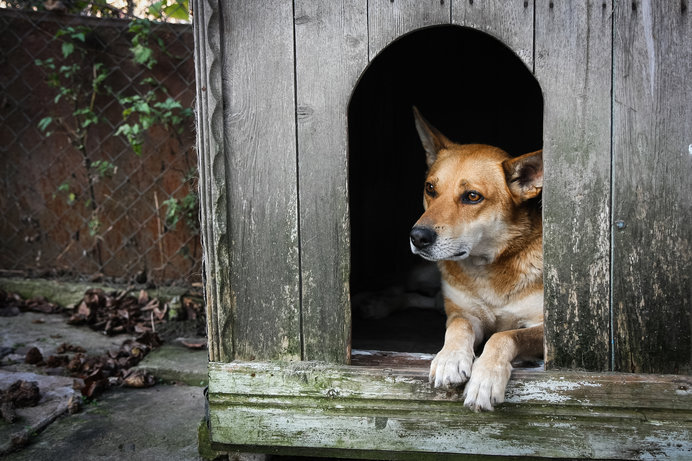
{"type": "Point", "coordinates": [440, 256]}
{"type": "Point", "coordinates": [460, 255]}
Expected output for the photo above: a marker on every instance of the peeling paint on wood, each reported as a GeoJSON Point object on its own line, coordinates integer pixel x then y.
{"type": "Point", "coordinates": [652, 118]}
{"type": "Point", "coordinates": [322, 407]}
{"type": "Point", "coordinates": [573, 62]}
{"type": "Point", "coordinates": [331, 52]}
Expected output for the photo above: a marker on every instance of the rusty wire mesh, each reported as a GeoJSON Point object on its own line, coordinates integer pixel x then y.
{"type": "Point", "coordinates": [60, 218]}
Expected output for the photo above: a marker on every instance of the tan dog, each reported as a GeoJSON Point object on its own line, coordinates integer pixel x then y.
{"type": "Point", "coordinates": [482, 223]}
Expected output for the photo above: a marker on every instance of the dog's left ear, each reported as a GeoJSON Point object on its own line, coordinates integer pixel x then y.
{"type": "Point", "coordinates": [432, 139]}
{"type": "Point", "coordinates": [524, 175]}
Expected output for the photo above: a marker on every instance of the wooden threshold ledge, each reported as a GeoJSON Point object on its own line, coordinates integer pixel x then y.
{"type": "Point", "coordinates": [320, 409]}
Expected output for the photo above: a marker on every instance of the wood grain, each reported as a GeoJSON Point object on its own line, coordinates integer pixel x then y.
{"type": "Point", "coordinates": [573, 65]}
{"type": "Point", "coordinates": [212, 173]}
{"type": "Point", "coordinates": [389, 20]}
{"type": "Point", "coordinates": [260, 151]}
{"type": "Point", "coordinates": [331, 53]}
{"type": "Point", "coordinates": [652, 121]}
{"type": "Point", "coordinates": [396, 414]}
{"type": "Point", "coordinates": [509, 21]}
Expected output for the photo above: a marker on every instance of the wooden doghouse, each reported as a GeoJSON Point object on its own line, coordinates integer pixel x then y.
{"type": "Point", "coordinates": [311, 175]}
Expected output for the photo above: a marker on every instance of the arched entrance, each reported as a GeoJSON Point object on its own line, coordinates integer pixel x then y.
{"type": "Point", "coordinates": [471, 87]}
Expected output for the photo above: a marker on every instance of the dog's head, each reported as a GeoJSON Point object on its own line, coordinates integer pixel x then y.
{"type": "Point", "coordinates": [472, 197]}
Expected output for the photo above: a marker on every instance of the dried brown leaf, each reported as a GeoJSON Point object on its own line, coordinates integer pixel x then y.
{"type": "Point", "coordinates": [33, 356]}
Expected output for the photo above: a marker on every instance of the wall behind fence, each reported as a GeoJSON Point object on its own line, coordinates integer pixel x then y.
{"type": "Point", "coordinates": [45, 230]}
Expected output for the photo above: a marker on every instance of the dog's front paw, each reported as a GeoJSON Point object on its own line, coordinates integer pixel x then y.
{"type": "Point", "coordinates": [487, 384]}
{"type": "Point", "coordinates": [451, 368]}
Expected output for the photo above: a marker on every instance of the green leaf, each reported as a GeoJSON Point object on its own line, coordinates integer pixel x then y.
{"type": "Point", "coordinates": [44, 123]}
{"type": "Point", "coordinates": [179, 10]}
{"type": "Point", "coordinates": [64, 187]}
{"type": "Point", "coordinates": [143, 55]}
{"type": "Point", "coordinates": [156, 9]}
{"type": "Point", "coordinates": [67, 49]}
{"type": "Point", "coordinates": [169, 103]}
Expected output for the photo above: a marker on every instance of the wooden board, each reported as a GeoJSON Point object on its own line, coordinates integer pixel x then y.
{"type": "Point", "coordinates": [261, 176]}
{"type": "Point", "coordinates": [573, 62]}
{"type": "Point", "coordinates": [388, 20]}
{"type": "Point", "coordinates": [395, 414]}
{"type": "Point", "coordinates": [212, 179]}
{"type": "Point", "coordinates": [509, 21]}
{"type": "Point", "coordinates": [652, 122]}
{"type": "Point", "coordinates": [331, 53]}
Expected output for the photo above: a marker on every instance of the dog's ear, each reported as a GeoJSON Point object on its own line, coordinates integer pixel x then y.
{"type": "Point", "coordinates": [524, 175]}
{"type": "Point", "coordinates": [433, 141]}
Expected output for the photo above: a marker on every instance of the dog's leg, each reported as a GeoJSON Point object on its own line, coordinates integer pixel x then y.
{"type": "Point", "coordinates": [452, 365]}
{"type": "Point", "coordinates": [492, 369]}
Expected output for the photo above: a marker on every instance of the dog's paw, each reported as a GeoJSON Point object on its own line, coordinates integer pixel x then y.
{"type": "Point", "coordinates": [487, 384]}
{"type": "Point", "coordinates": [451, 368]}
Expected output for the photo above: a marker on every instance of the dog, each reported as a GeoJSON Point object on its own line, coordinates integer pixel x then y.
{"type": "Point", "coordinates": [482, 224]}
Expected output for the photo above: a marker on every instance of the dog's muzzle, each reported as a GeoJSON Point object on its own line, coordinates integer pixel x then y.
{"type": "Point", "coordinates": [422, 238]}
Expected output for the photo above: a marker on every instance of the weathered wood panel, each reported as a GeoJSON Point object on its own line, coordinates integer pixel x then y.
{"type": "Point", "coordinates": [212, 168]}
{"type": "Point", "coordinates": [260, 140]}
{"type": "Point", "coordinates": [652, 121]}
{"type": "Point", "coordinates": [396, 414]}
{"type": "Point", "coordinates": [331, 52]}
{"type": "Point", "coordinates": [573, 65]}
{"type": "Point", "coordinates": [509, 21]}
{"type": "Point", "coordinates": [389, 20]}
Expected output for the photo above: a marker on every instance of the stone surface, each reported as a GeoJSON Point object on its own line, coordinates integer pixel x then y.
{"type": "Point", "coordinates": [154, 423]}
{"type": "Point", "coordinates": [55, 392]}
{"type": "Point", "coordinates": [48, 332]}
{"type": "Point", "coordinates": [177, 363]}
{"type": "Point", "coordinates": [67, 294]}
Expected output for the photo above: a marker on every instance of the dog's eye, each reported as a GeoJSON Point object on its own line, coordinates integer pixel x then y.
{"type": "Point", "coordinates": [430, 189]}
{"type": "Point", "coordinates": [471, 197]}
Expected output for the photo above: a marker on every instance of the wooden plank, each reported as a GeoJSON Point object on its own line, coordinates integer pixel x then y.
{"type": "Point", "coordinates": [331, 52]}
{"type": "Point", "coordinates": [260, 140]}
{"type": "Point", "coordinates": [509, 21]}
{"type": "Point", "coordinates": [388, 20]}
{"type": "Point", "coordinates": [395, 413]}
{"type": "Point", "coordinates": [212, 171]}
{"type": "Point", "coordinates": [652, 126]}
{"type": "Point", "coordinates": [573, 65]}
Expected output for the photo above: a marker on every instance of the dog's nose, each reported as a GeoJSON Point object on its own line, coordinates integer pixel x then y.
{"type": "Point", "coordinates": [422, 237]}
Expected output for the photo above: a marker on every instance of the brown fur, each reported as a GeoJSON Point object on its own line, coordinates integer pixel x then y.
{"type": "Point", "coordinates": [482, 223]}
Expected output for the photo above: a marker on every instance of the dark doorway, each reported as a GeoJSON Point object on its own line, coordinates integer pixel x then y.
{"type": "Point", "coordinates": [472, 88]}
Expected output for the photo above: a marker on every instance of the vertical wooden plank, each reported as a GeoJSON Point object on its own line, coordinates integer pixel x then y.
{"type": "Point", "coordinates": [652, 211]}
{"type": "Point", "coordinates": [212, 172]}
{"type": "Point", "coordinates": [509, 21]}
{"type": "Point", "coordinates": [573, 65]}
{"type": "Point", "coordinates": [260, 140]}
{"type": "Point", "coordinates": [331, 52]}
{"type": "Point", "coordinates": [389, 19]}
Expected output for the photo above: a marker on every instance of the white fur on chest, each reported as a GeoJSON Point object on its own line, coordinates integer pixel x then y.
{"type": "Point", "coordinates": [497, 311]}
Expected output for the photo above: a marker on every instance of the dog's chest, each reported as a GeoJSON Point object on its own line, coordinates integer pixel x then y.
{"type": "Point", "coordinates": [502, 306]}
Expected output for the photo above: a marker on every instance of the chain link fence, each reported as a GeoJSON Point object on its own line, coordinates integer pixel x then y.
{"type": "Point", "coordinates": [97, 164]}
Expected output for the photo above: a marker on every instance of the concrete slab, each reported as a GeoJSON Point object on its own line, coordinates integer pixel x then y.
{"type": "Point", "coordinates": [155, 423]}
{"type": "Point", "coordinates": [47, 332]}
{"type": "Point", "coordinates": [148, 424]}
{"type": "Point", "coordinates": [177, 363]}
{"type": "Point", "coordinates": [56, 392]}
{"type": "Point", "coordinates": [67, 294]}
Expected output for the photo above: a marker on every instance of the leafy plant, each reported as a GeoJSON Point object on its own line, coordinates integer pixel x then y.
{"type": "Point", "coordinates": [78, 90]}
{"type": "Point", "coordinates": [186, 208]}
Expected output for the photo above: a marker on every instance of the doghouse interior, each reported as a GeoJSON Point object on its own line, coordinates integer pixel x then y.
{"type": "Point", "coordinates": [474, 90]}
